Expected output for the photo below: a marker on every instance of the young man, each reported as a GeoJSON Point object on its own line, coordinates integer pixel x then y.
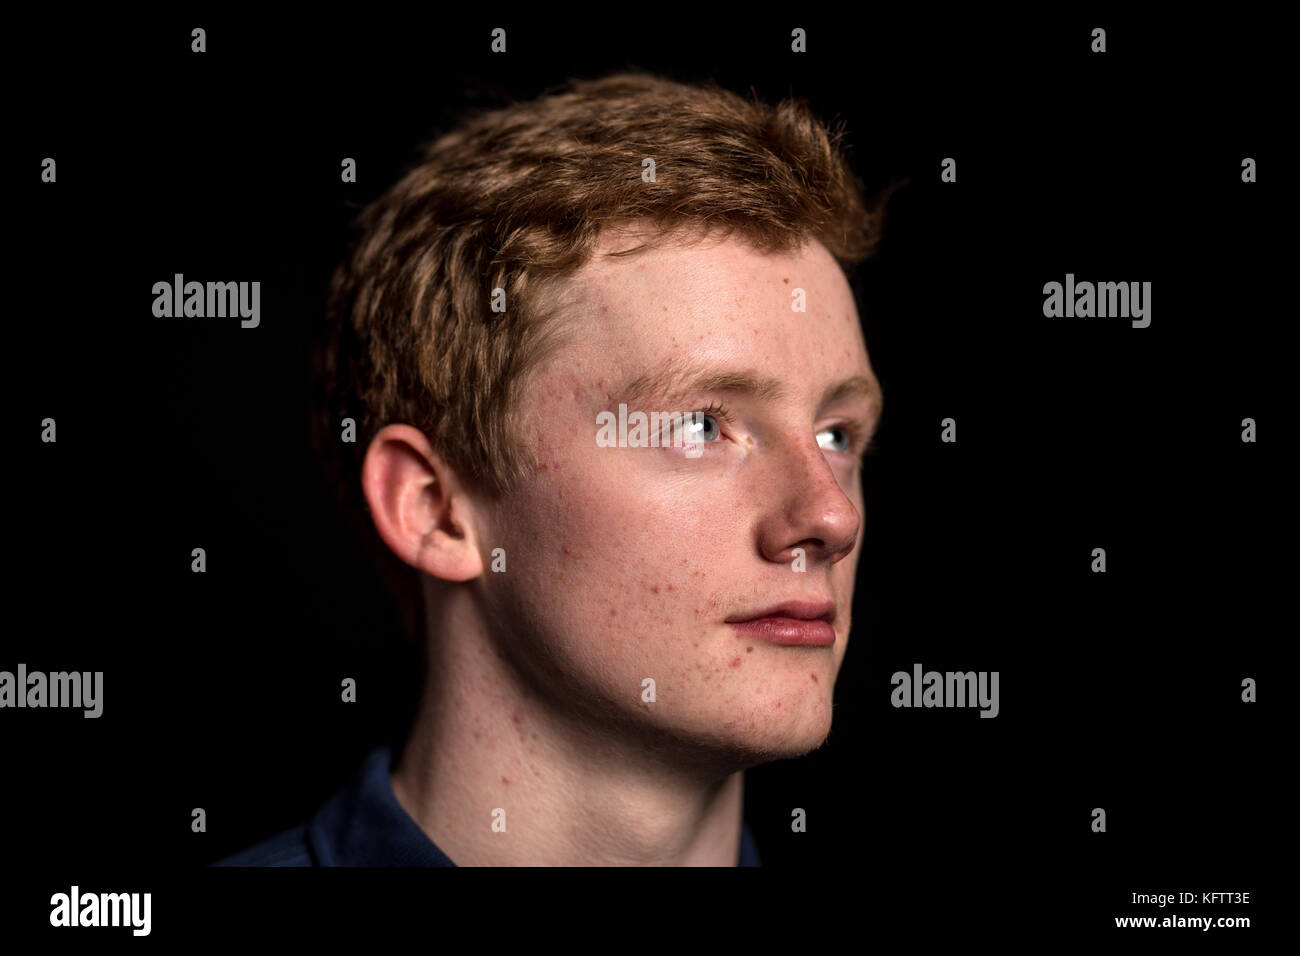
{"type": "Point", "coordinates": [616, 626]}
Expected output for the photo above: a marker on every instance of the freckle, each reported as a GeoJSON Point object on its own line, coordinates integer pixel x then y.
{"type": "Point", "coordinates": [814, 677]}
{"type": "Point", "coordinates": [613, 612]}
{"type": "Point", "coordinates": [697, 644]}
{"type": "Point", "coordinates": [749, 650]}
{"type": "Point", "coordinates": [786, 280]}
{"type": "Point", "coordinates": [672, 587]}
{"type": "Point", "coordinates": [735, 662]}
{"type": "Point", "coordinates": [534, 736]}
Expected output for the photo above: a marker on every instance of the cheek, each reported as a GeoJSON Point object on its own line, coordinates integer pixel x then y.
{"type": "Point", "coordinates": [585, 529]}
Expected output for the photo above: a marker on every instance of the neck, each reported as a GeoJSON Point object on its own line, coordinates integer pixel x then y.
{"type": "Point", "coordinates": [576, 790]}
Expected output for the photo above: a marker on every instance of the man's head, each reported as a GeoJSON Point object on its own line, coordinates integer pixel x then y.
{"type": "Point", "coordinates": [666, 286]}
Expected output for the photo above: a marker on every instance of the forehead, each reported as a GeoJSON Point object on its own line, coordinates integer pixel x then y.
{"type": "Point", "coordinates": [716, 303]}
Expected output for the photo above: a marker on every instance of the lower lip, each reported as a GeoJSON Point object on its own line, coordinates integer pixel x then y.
{"type": "Point", "coordinates": [788, 630]}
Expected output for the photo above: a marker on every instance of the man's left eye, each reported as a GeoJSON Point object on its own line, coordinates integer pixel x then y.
{"type": "Point", "coordinates": [835, 438]}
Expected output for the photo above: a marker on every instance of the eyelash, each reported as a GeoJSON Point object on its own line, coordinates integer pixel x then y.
{"type": "Point", "coordinates": [719, 412]}
{"type": "Point", "coordinates": [855, 431]}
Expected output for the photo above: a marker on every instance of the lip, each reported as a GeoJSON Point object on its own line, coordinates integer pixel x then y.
{"type": "Point", "coordinates": [793, 623]}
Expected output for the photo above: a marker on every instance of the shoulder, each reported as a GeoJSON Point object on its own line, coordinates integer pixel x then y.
{"type": "Point", "coordinates": [289, 848]}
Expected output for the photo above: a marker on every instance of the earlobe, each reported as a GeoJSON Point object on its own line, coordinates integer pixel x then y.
{"type": "Point", "coordinates": [419, 506]}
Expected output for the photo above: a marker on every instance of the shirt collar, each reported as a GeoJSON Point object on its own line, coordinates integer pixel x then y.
{"type": "Point", "coordinates": [364, 825]}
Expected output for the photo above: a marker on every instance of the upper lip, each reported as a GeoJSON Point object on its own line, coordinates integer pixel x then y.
{"type": "Point", "coordinates": [799, 610]}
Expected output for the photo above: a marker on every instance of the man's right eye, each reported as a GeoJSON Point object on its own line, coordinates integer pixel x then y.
{"type": "Point", "coordinates": [700, 426]}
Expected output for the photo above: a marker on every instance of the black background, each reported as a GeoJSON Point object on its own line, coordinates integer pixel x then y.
{"type": "Point", "coordinates": [1119, 690]}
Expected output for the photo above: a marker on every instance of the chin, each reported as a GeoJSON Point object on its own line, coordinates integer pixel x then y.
{"type": "Point", "coordinates": [800, 741]}
{"type": "Point", "coordinates": [773, 738]}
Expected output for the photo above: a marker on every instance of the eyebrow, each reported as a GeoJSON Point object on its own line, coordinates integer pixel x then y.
{"type": "Point", "coordinates": [859, 386]}
{"type": "Point", "coordinates": [677, 379]}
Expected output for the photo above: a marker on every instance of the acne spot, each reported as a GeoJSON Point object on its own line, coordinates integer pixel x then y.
{"type": "Point", "coordinates": [506, 781]}
{"type": "Point", "coordinates": [735, 662]}
{"type": "Point", "coordinates": [613, 612]}
{"type": "Point", "coordinates": [778, 705]}
{"type": "Point", "coordinates": [516, 718]}
{"type": "Point", "coordinates": [654, 589]}
{"type": "Point", "coordinates": [814, 677]}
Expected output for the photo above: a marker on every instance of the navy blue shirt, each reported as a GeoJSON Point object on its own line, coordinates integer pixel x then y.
{"type": "Point", "coordinates": [364, 825]}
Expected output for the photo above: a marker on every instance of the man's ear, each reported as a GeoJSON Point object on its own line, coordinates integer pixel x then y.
{"type": "Point", "coordinates": [419, 507]}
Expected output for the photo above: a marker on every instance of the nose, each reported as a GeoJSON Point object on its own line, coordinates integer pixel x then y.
{"type": "Point", "coordinates": [810, 509]}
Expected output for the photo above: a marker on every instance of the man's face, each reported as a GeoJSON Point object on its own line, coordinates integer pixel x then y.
{"type": "Point", "coordinates": [627, 563]}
